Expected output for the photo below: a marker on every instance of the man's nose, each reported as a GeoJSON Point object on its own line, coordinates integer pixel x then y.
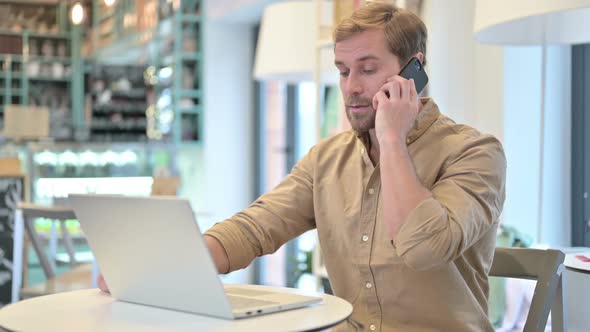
{"type": "Point", "coordinates": [354, 85]}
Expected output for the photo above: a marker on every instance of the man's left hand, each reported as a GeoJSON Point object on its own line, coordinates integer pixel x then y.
{"type": "Point", "coordinates": [395, 115]}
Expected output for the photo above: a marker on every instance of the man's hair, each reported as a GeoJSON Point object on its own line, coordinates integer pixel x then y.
{"type": "Point", "coordinates": [405, 32]}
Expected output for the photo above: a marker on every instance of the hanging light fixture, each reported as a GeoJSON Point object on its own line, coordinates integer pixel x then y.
{"type": "Point", "coordinates": [534, 22]}
{"type": "Point", "coordinates": [77, 14]}
{"type": "Point", "coordinates": [109, 2]}
{"type": "Point", "coordinates": [286, 45]}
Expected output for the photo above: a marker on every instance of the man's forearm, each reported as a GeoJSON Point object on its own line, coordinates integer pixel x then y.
{"type": "Point", "coordinates": [401, 190]}
{"type": "Point", "coordinates": [218, 253]}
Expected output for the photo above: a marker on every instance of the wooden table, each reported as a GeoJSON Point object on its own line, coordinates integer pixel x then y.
{"type": "Point", "coordinates": [577, 290]}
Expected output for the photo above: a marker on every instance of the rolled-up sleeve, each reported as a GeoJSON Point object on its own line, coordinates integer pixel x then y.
{"type": "Point", "coordinates": [466, 201]}
{"type": "Point", "coordinates": [273, 219]}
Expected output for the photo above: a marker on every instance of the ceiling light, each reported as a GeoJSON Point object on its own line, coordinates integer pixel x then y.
{"type": "Point", "coordinates": [77, 13]}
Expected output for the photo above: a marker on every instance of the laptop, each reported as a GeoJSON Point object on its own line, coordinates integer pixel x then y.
{"type": "Point", "coordinates": [150, 251]}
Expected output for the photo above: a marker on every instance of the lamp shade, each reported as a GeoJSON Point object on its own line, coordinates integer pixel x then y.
{"type": "Point", "coordinates": [287, 41]}
{"type": "Point", "coordinates": [532, 22]}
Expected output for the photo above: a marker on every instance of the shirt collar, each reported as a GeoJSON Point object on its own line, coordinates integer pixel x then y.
{"type": "Point", "coordinates": [426, 117]}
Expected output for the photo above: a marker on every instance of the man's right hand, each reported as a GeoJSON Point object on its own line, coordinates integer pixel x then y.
{"type": "Point", "coordinates": [218, 253]}
{"type": "Point", "coordinates": [102, 284]}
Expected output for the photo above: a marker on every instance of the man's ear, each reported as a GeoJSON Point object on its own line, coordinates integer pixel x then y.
{"type": "Point", "coordinates": [420, 57]}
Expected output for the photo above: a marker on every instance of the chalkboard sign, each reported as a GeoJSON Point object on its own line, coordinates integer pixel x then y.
{"type": "Point", "coordinates": [11, 193]}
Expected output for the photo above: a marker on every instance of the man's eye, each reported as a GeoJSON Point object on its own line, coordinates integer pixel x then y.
{"type": "Point", "coordinates": [369, 71]}
{"type": "Point", "coordinates": [343, 73]}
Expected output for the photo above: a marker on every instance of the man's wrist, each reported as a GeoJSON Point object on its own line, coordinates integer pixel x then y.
{"type": "Point", "coordinates": [219, 254]}
{"type": "Point", "coordinates": [391, 141]}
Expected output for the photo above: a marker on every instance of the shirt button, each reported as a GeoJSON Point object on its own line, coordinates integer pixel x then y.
{"type": "Point", "coordinates": [372, 327]}
{"type": "Point", "coordinates": [362, 151]}
{"type": "Point", "coordinates": [408, 141]}
{"type": "Point", "coordinates": [365, 238]}
{"type": "Point", "coordinates": [371, 191]}
{"type": "Point", "coordinates": [368, 285]}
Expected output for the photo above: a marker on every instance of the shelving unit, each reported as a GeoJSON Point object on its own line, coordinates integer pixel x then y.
{"type": "Point", "coordinates": [183, 56]}
{"type": "Point", "coordinates": [118, 100]}
{"type": "Point", "coordinates": [166, 36]}
{"type": "Point", "coordinates": [39, 61]}
{"type": "Point", "coordinates": [46, 60]}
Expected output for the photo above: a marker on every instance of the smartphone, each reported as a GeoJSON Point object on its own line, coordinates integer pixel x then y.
{"type": "Point", "coordinates": [414, 69]}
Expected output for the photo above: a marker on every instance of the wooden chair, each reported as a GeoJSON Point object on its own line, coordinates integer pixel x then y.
{"type": "Point", "coordinates": [80, 277]}
{"type": "Point", "coordinates": [165, 186]}
{"type": "Point", "coordinates": [544, 266]}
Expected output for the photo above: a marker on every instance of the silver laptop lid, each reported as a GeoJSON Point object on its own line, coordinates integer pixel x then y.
{"type": "Point", "coordinates": [150, 251]}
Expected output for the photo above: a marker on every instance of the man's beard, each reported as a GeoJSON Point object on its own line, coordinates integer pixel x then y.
{"type": "Point", "coordinates": [360, 122]}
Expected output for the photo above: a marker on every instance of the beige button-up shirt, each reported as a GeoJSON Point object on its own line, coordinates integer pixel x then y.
{"type": "Point", "coordinates": [433, 275]}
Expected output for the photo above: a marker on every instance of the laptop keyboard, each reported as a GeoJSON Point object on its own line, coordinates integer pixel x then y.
{"type": "Point", "coordinates": [246, 292]}
{"type": "Point", "coordinates": [239, 302]}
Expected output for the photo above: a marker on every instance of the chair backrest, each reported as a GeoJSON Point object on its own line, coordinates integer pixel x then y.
{"type": "Point", "coordinates": [79, 277]}
{"type": "Point", "coordinates": [545, 266]}
{"type": "Point", "coordinates": [165, 186]}
{"type": "Point", "coordinates": [32, 211]}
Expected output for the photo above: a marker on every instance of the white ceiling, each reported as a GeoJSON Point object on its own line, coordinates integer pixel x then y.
{"type": "Point", "coordinates": [237, 11]}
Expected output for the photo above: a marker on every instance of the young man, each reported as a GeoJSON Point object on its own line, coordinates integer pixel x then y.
{"type": "Point", "coordinates": [406, 204]}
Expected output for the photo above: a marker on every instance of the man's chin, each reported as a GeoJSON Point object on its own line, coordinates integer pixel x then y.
{"type": "Point", "coordinates": [360, 124]}
{"type": "Point", "coordinates": [360, 130]}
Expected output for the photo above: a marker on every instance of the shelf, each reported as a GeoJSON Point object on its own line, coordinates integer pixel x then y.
{"type": "Point", "coordinates": [191, 56]}
{"type": "Point", "coordinates": [197, 109]}
{"type": "Point", "coordinates": [14, 75]}
{"type": "Point", "coordinates": [34, 34]}
{"type": "Point", "coordinates": [49, 79]}
{"type": "Point", "coordinates": [11, 57]}
{"type": "Point", "coordinates": [13, 92]}
{"type": "Point", "coordinates": [134, 130]}
{"type": "Point", "coordinates": [188, 94]}
{"type": "Point", "coordinates": [103, 110]}
{"type": "Point", "coordinates": [31, 2]}
{"type": "Point", "coordinates": [131, 94]}
{"type": "Point", "coordinates": [189, 18]}
{"type": "Point", "coordinates": [31, 58]}
{"type": "Point", "coordinates": [20, 76]}
{"type": "Point", "coordinates": [169, 60]}
{"type": "Point", "coordinates": [49, 35]}
{"type": "Point", "coordinates": [127, 115]}
{"type": "Point", "coordinates": [40, 58]}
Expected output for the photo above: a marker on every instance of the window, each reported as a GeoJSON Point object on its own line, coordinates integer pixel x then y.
{"type": "Point", "coordinates": [581, 145]}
